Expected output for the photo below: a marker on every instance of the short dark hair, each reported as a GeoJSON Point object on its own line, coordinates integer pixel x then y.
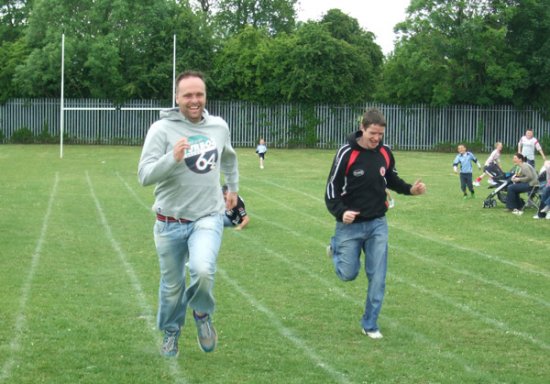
{"type": "Point", "coordinates": [189, 73]}
{"type": "Point", "coordinates": [224, 188]}
{"type": "Point", "coordinates": [373, 116]}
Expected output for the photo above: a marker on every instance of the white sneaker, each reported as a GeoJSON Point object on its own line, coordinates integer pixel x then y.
{"type": "Point", "coordinates": [517, 212]}
{"type": "Point", "coordinates": [373, 334]}
{"type": "Point", "coordinates": [536, 217]}
{"type": "Point", "coordinates": [491, 182]}
{"type": "Point", "coordinates": [545, 209]}
{"type": "Point", "coordinates": [476, 184]}
{"type": "Point", "coordinates": [547, 216]}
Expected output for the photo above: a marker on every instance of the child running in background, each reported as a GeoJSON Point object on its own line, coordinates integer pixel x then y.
{"type": "Point", "coordinates": [261, 149]}
{"type": "Point", "coordinates": [465, 159]}
{"type": "Point", "coordinates": [492, 165]}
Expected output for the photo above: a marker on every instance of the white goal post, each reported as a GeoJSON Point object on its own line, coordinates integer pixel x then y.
{"type": "Point", "coordinates": [62, 102]}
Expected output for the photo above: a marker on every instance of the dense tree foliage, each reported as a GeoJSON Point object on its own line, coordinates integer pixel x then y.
{"type": "Point", "coordinates": [309, 66]}
{"type": "Point", "coordinates": [275, 16]}
{"type": "Point", "coordinates": [449, 52]}
{"type": "Point", "coordinates": [479, 52]}
{"type": "Point", "coordinates": [114, 49]}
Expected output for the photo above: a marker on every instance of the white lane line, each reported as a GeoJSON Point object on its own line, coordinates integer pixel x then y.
{"type": "Point", "coordinates": [510, 290]}
{"type": "Point", "coordinates": [341, 293]}
{"type": "Point", "coordinates": [500, 325]}
{"type": "Point", "coordinates": [175, 370]}
{"type": "Point", "coordinates": [521, 266]}
{"type": "Point", "coordinates": [464, 308]}
{"type": "Point", "coordinates": [20, 318]}
{"type": "Point", "coordinates": [286, 332]}
{"type": "Point", "coordinates": [473, 251]}
{"type": "Point", "coordinates": [330, 286]}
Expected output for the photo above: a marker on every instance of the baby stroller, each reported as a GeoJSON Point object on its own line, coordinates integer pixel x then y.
{"type": "Point", "coordinates": [500, 190]}
{"type": "Point", "coordinates": [501, 181]}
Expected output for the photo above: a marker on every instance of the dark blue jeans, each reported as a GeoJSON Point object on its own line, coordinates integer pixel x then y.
{"type": "Point", "coordinates": [512, 198]}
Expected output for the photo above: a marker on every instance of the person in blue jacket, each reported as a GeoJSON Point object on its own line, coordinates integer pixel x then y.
{"type": "Point", "coordinates": [464, 160]}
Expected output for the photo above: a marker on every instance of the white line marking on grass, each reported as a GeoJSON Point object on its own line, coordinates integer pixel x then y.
{"type": "Point", "coordinates": [465, 308]}
{"type": "Point", "coordinates": [286, 332]}
{"type": "Point", "coordinates": [330, 286]}
{"type": "Point", "coordinates": [302, 214]}
{"type": "Point", "coordinates": [134, 194]}
{"type": "Point", "coordinates": [425, 237]}
{"type": "Point", "coordinates": [20, 318]}
{"type": "Point", "coordinates": [477, 277]}
{"type": "Point", "coordinates": [256, 180]}
{"type": "Point", "coordinates": [474, 251]}
{"type": "Point", "coordinates": [340, 292]}
{"type": "Point", "coordinates": [172, 363]}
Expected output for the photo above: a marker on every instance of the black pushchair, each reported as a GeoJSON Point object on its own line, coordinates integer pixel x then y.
{"type": "Point", "coordinates": [500, 182]}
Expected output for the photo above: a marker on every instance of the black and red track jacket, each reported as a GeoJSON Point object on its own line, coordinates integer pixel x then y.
{"type": "Point", "coordinates": [363, 187]}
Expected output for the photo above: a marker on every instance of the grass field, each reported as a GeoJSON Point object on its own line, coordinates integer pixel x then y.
{"type": "Point", "coordinates": [467, 301]}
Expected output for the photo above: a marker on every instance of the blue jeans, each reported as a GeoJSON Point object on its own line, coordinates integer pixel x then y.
{"type": "Point", "coordinates": [544, 200]}
{"type": "Point", "coordinates": [512, 196]}
{"type": "Point", "coordinates": [196, 244]}
{"type": "Point", "coordinates": [372, 238]}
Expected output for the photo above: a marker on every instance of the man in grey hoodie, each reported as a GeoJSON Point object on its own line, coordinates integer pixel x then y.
{"type": "Point", "coordinates": [183, 155]}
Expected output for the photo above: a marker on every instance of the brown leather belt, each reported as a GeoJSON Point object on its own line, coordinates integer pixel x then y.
{"type": "Point", "coordinates": [170, 219]}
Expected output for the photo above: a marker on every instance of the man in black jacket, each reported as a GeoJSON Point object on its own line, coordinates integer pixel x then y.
{"type": "Point", "coordinates": [356, 196]}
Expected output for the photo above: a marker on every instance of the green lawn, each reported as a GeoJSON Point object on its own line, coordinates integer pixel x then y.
{"type": "Point", "coordinates": [467, 301]}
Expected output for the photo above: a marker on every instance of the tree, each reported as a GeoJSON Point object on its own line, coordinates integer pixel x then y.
{"type": "Point", "coordinates": [452, 53]}
{"type": "Point", "coordinates": [528, 32]}
{"type": "Point", "coordinates": [13, 49]}
{"type": "Point", "coordinates": [275, 16]}
{"type": "Point", "coordinates": [118, 49]}
{"type": "Point", "coordinates": [309, 66]}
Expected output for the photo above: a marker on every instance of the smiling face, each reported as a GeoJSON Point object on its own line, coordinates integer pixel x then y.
{"type": "Point", "coordinates": [191, 98]}
{"type": "Point", "coordinates": [372, 136]}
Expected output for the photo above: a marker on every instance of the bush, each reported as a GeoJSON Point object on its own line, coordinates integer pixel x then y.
{"type": "Point", "coordinates": [45, 137]}
{"type": "Point", "coordinates": [22, 136]}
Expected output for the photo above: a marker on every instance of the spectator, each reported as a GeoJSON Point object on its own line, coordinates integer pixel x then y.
{"type": "Point", "coordinates": [523, 181]}
{"type": "Point", "coordinates": [527, 145]}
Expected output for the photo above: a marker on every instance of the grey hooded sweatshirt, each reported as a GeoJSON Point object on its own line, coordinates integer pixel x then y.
{"type": "Point", "coordinates": [191, 188]}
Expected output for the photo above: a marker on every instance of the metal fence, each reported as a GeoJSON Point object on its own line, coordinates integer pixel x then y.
{"type": "Point", "coordinates": [322, 126]}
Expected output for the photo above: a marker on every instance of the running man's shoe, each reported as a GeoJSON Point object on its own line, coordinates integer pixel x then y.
{"type": "Point", "coordinates": [170, 344]}
{"type": "Point", "coordinates": [206, 333]}
{"type": "Point", "coordinates": [373, 334]}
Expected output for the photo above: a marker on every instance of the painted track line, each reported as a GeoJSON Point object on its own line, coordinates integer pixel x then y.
{"type": "Point", "coordinates": [173, 365]}
{"type": "Point", "coordinates": [510, 290]}
{"type": "Point", "coordinates": [474, 251]}
{"type": "Point", "coordinates": [20, 318]}
{"type": "Point", "coordinates": [330, 286]}
{"type": "Point", "coordinates": [284, 331]}
{"type": "Point", "coordinates": [500, 325]}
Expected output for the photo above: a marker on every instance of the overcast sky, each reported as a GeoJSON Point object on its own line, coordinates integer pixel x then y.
{"type": "Point", "coordinates": [376, 16]}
